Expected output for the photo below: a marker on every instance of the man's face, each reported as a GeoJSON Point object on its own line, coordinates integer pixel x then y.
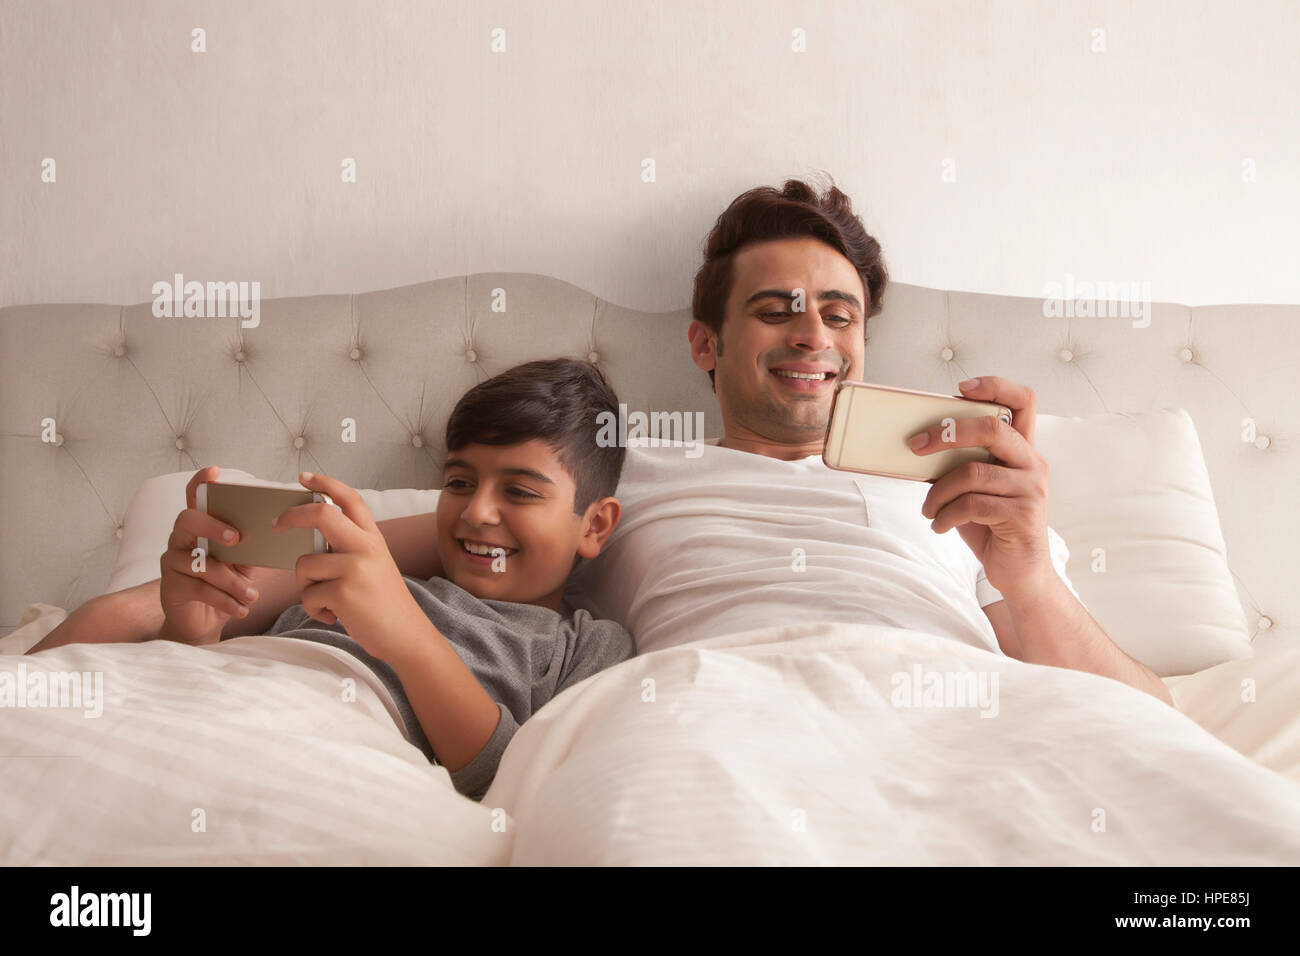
{"type": "Point", "coordinates": [764, 340]}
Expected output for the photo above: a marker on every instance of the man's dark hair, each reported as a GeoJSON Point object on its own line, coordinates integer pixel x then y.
{"type": "Point", "coordinates": [555, 400]}
{"type": "Point", "coordinates": [795, 211]}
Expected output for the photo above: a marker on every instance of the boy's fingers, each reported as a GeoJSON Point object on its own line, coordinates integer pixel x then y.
{"type": "Point", "coordinates": [195, 524]}
{"type": "Point", "coordinates": [187, 589]}
{"type": "Point", "coordinates": [223, 577]}
{"type": "Point", "coordinates": [339, 530]}
{"type": "Point", "coordinates": [345, 496]}
{"type": "Point", "coordinates": [209, 473]}
{"type": "Point", "coordinates": [316, 601]}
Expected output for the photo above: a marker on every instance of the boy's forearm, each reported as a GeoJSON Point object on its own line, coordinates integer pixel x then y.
{"type": "Point", "coordinates": [135, 614]}
{"type": "Point", "coordinates": [455, 712]}
{"type": "Point", "coordinates": [126, 616]}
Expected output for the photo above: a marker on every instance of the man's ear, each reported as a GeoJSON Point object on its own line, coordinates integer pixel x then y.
{"type": "Point", "coordinates": [704, 353]}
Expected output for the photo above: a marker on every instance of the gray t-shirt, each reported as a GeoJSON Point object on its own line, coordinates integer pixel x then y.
{"type": "Point", "coordinates": [522, 654]}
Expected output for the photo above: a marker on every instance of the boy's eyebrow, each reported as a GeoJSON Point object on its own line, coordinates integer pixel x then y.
{"type": "Point", "coordinates": [526, 472]}
{"type": "Point", "coordinates": [788, 295]}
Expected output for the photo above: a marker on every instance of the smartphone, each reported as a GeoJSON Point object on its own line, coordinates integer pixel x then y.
{"type": "Point", "coordinates": [870, 425]}
{"type": "Point", "coordinates": [250, 508]}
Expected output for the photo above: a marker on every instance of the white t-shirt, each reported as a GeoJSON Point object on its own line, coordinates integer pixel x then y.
{"type": "Point", "coordinates": [730, 541]}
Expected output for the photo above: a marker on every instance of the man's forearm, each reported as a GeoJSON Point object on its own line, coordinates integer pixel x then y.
{"type": "Point", "coordinates": [1055, 629]}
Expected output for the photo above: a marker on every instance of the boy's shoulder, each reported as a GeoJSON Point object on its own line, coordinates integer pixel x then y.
{"type": "Point", "coordinates": [601, 637]}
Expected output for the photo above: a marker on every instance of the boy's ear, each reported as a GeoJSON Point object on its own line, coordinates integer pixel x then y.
{"type": "Point", "coordinates": [602, 518]}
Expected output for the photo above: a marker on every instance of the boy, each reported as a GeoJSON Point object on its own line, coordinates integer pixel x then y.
{"type": "Point", "coordinates": [472, 652]}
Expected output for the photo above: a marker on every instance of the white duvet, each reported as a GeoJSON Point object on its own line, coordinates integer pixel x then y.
{"type": "Point", "coordinates": [795, 744]}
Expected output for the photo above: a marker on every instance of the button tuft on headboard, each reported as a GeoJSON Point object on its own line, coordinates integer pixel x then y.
{"type": "Point", "coordinates": [947, 354]}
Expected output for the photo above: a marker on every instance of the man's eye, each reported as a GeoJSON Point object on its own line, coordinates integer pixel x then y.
{"type": "Point", "coordinates": [455, 483]}
{"type": "Point", "coordinates": [785, 315]}
{"type": "Point", "coordinates": [523, 494]}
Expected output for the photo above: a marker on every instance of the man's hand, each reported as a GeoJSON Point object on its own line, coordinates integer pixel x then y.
{"type": "Point", "coordinates": [197, 604]}
{"type": "Point", "coordinates": [999, 508]}
{"type": "Point", "coordinates": [357, 583]}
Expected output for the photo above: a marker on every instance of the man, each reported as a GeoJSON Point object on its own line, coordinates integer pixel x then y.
{"type": "Point", "coordinates": [781, 306]}
{"type": "Point", "coordinates": [758, 530]}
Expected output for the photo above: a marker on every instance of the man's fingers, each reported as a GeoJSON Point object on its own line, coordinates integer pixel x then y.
{"type": "Point", "coordinates": [1006, 443]}
{"type": "Point", "coordinates": [1021, 399]}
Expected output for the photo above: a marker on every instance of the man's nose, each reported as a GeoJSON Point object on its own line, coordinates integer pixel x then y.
{"type": "Point", "coordinates": [807, 330]}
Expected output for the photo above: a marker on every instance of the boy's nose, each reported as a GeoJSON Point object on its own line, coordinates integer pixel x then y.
{"type": "Point", "coordinates": [481, 510]}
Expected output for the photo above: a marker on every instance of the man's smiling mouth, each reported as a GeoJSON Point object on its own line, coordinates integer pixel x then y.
{"type": "Point", "coordinates": [803, 376]}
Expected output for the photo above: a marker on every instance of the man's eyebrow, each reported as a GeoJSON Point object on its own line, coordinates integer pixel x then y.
{"type": "Point", "coordinates": [788, 295]}
{"type": "Point", "coordinates": [525, 472]}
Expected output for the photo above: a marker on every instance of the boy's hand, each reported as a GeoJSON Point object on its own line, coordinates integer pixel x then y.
{"type": "Point", "coordinates": [356, 583]}
{"type": "Point", "coordinates": [196, 605]}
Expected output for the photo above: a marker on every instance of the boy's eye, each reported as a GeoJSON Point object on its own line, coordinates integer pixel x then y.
{"type": "Point", "coordinates": [458, 483]}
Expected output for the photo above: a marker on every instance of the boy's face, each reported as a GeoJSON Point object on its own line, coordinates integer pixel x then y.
{"type": "Point", "coordinates": [520, 498]}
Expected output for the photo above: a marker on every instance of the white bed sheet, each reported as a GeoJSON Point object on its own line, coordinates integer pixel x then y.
{"type": "Point", "coordinates": [775, 746]}
{"type": "Point", "coordinates": [256, 733]}
{"type": "Point", "coordinates": [782, 746]}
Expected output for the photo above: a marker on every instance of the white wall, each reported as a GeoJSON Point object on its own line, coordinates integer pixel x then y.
{"type": "Point", "coordinates": [1123, 165]}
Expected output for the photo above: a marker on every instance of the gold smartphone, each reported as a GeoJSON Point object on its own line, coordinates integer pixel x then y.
{"type": "Point", "coordinates": [249, 509]}
{"type": "Point", "coordinates": [870, 425]}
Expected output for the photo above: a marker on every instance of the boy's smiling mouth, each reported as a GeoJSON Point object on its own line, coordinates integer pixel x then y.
{"type": "Point", "coordinates": [483, 548]}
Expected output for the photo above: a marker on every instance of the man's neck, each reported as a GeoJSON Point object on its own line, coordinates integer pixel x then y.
{"type": "Point", "coordinates": [781, 450]}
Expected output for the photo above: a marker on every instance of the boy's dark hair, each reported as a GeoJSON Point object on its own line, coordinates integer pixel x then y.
{"type": "Point", "coordinates": [555, 400]}
{"type": "Point", "coordinates": [795, 211]}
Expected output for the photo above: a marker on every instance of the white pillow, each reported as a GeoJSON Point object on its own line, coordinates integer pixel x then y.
{"type": "Point", "coordinates": [1135, 486]}
{"type": "Point", "coordinates": [157, 502]}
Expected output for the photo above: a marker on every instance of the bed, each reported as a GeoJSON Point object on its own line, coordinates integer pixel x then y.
{"type": "Point", "coordinates": [1172, 451]}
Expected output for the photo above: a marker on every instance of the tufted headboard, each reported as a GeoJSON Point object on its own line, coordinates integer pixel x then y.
{"type": "Point", "coordinates": [134, 396]}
